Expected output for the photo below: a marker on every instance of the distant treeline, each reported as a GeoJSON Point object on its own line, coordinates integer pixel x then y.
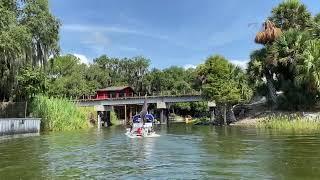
{"type": "Point", "coordinates": [288, 62]}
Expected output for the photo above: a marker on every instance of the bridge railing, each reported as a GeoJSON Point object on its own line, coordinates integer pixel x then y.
{"type": "Point", "coordinates": [139, 95]}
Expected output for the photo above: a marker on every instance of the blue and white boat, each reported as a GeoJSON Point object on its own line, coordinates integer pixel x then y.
{"type": "Point", "coordinates": [142, 127]}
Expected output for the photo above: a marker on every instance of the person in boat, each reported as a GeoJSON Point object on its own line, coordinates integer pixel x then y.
{"type": "Point", "coordinates": [144, 110]}
{"type": "Point", "coordinates": [142, 122]}
{"type": "Point", "coordinates": [139, 131]}
{"type": "Point", "coordinates": [149, 123]}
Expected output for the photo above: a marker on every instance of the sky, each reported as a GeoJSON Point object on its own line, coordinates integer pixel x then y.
{"type": "Point", "coordinates": [168, 32]}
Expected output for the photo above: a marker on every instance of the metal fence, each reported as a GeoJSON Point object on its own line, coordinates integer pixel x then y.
{"type": "Point", "coordinates": [12, 126]}
{"type": "Point", "coordinates": [13, 109]}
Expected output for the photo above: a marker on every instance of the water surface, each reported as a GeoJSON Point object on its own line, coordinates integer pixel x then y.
{"type": "Point", "coordinates": [182, 152]}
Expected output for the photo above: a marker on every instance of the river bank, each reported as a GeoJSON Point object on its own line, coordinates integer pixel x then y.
{"type": "Point", "coordinates": [295, 121]}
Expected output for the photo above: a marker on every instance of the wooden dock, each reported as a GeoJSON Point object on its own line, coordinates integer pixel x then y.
{"type": "Point", "coordinates": [12, 126]}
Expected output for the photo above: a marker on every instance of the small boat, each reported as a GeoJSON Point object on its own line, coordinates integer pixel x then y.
{"type": "Point", "coordinates": [142, 125]}
{"type": "Point", "coordinates": [141, 129]}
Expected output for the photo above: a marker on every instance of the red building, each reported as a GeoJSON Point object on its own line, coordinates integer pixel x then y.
{"type": "Point", "coordinates": [115, 92]}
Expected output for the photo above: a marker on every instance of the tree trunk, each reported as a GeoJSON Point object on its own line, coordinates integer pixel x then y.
{"type": "Point", "coordinates": [231, 117]}
{"type": "Point", "coordinates": [271, 90]}
{"type": "Point", "coordinates": [212, 119]}
{"type": "Point", "coordinates": [225, 114]}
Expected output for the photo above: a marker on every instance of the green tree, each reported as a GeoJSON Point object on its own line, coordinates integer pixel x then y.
{"type": "Point", "coordinates": [291, 14]}
{"type": "Point", "coordinates": [308, 69]}
{"type": "Point", "coordinates": [31, 82]}
{"type": "Point", "coordinates": [172, 80]}
{"type": "Point", "coordinates": [155, 81]}
{"type": "Point", "coordinates": [137, 69]}
{"type": "Point", "coordinates": [44, 28]}
{"type": "Point", "coordinates": [97, 76]}
{"type": "Point", "coordinates": [283, 56]}
{"type": "Point", "coordinates": [126, 71]}
{"type": "Point", "coordinates": [219, 83]}
{"type": "Point", "coordinates": [316, 27]}
{"type": "Point", "coordinates": [29, 35]}
{"type": "Point", "coordinates": [277, 61]}
{"type": "Point", "coordinates": [14, 40]}
{"type": "Point", "coordinates": [68, 78]}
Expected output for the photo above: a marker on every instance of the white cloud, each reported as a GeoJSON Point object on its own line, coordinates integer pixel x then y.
{"type": "Point", "coordinates": [188, 66]}
{"type": "Point", "coordinates": [97, 38]}
{"type": "Point", "coordinates": [115, 29]}
{"type": "Point", "coordinates": [97, 41]}
{"type": "Point", "coordinates": [241, 63]}
{"type": "Point", "coordinates": [83, 59]}
{"type": "Point", "coordinates": [88, 28]}
{"type": "Point", "coordinates": [125, 48]}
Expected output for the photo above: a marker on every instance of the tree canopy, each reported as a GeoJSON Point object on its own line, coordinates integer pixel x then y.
{"type": "Point", "coordinates": [289, 63]}
{"type": "Point", "coordinates": [29, 35]}
{"type": "Point", "coordinates": [291, 14]}
{"type": "Point", "coordinates": [222, 81]}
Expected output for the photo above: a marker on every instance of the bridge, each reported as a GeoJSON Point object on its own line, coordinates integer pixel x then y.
{"type": "Point", "coordinates": [136, 100]}
{"type": "Point", "coordinates": [125, 106]}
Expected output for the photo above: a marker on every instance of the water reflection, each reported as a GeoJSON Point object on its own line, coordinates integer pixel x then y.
{"type": "Point", "coordinates": [181, 152]}
{"type": "Point", "coordinates": [20, 158]}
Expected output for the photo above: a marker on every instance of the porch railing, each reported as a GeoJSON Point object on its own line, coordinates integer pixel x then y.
{"type": "Point", "coordinates": [139, 95]}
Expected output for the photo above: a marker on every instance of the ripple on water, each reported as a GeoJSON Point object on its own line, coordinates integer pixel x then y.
{"type": "Point", "coordinates": [180, 153]}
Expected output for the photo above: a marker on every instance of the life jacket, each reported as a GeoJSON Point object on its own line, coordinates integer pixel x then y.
{"type": "Point", "coordinates": [139, 131]}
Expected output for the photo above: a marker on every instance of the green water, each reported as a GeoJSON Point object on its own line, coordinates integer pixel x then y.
{"type": "Point", "coordinates": [182, 152]}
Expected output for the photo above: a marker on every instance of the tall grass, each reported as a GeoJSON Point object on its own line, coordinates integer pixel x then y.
{"type": "Point", "coordinates": [114, 119]}
{"type": "Point", "coordinates": [91, 114]}
{"type": "Point", "coordinates": [59, 114]}
{"type": "Point", "coordinates": [290, 123]}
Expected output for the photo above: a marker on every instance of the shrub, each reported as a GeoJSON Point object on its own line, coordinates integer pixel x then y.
{"type": "Point", "coordinates": [59, 114]}
{"type": "Point", "coordinates": [290, 123]}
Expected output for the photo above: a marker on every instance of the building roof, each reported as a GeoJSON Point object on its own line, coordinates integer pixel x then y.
{"type": "Point", "coordinates": [114, 88]}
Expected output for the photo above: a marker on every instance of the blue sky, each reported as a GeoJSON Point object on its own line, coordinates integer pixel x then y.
{"type": "Point", "coordinates": [168, 32]}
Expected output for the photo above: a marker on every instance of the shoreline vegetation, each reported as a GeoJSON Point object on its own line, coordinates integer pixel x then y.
{"type": "Point", "coordinates": [59, 114]}
{"type": "Point", "coordinates": [284, 121]}
{"type": "Point", "coordinates": [285, 70]}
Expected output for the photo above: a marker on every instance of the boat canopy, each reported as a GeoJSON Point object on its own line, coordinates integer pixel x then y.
{"type": "Point", "coordinates": [137, 118]}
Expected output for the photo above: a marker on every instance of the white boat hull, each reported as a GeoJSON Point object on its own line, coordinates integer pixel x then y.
{"type": "Point", "coordinates": [143, 135]}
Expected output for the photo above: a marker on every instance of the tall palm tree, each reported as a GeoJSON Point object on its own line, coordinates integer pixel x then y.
{"type": "Point", "coordinates": [291, 14]}
{"type": "Point", "coordinates": [316, 28]}
{"type": "Point", "coordinates": [256, 65]}
{"type": "Point", "coordinates": [259, 69]}
{"type": "Point", "coordinates": [241, 78]}
{"type": "Point", "coordinates": [317, 18]}
{"type": "Point", "coordinates": [269, 33]}
{"type": "Point", "coordinates": [267, 36]}
{"type": "Point", "coordinates": [285, 52]}
{"type": "Point", "coordinates": [308, 69]}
